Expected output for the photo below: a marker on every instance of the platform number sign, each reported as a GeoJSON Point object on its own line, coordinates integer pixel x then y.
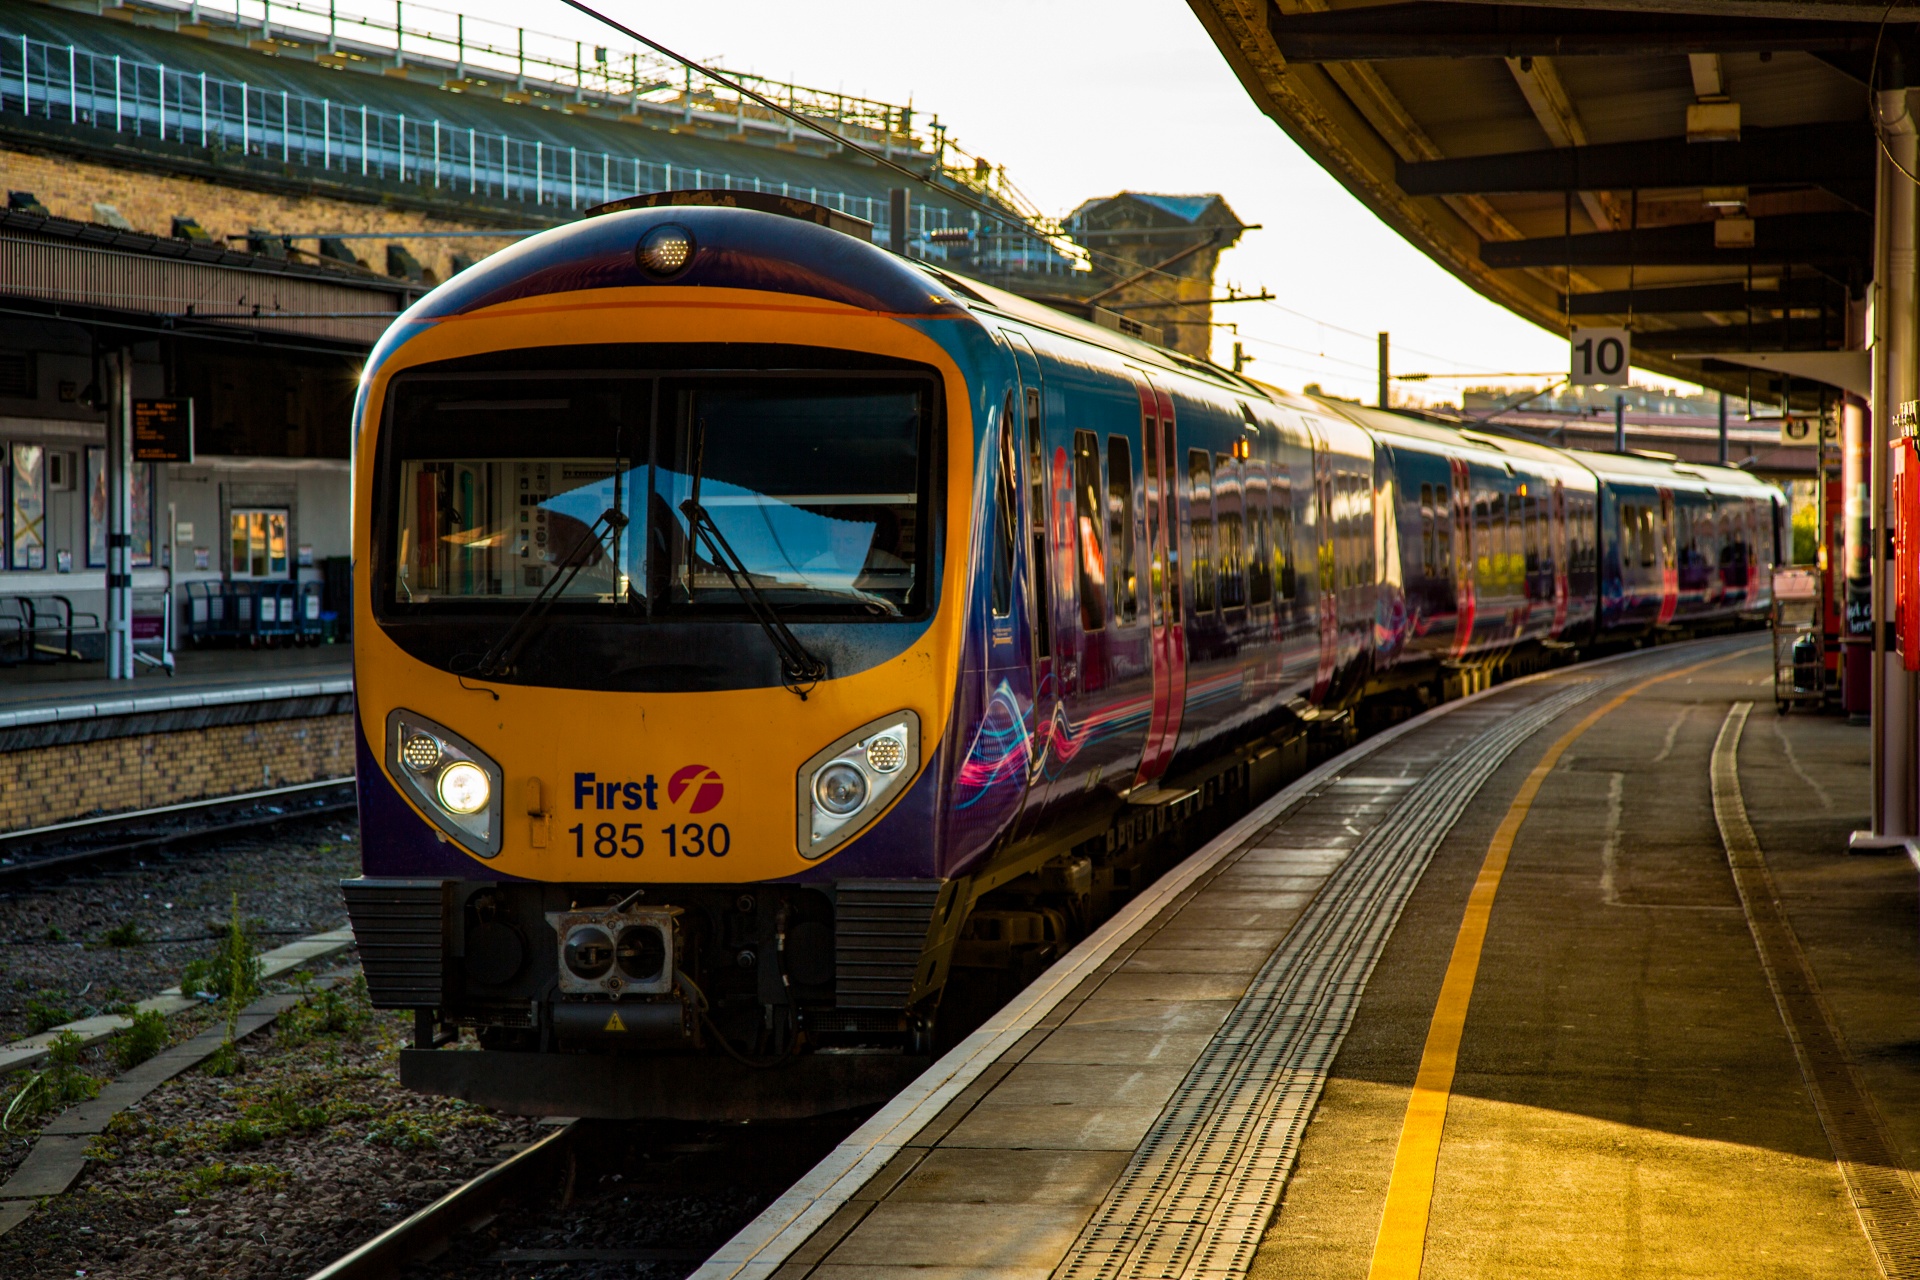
{"type": "Point", "coordinates": [1601, 357]}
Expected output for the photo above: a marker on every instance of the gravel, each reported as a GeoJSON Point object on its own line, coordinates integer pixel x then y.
{"type": "Point", "coordinates": [310, 1149]}
{"type": "Point", "coordinates": [54, 958]}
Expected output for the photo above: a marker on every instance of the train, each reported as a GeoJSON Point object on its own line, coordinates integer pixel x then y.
{"type": "Point", "coordinates": [766, 644]}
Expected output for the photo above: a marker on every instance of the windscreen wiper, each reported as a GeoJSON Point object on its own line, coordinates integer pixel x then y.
{"type": "Point", "coordinates": [498, 661]}
{"type": "Point", "coordinates": [799, 669]}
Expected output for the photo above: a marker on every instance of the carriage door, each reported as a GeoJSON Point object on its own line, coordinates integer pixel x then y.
{"type": "Point", "coordinates": [1165, 616]}
{"type": "Point", "coordinates": [1039, 566]}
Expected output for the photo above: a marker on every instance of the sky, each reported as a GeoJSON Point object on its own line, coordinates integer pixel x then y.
{"type": "Point", "coordinates": [1081, 99]}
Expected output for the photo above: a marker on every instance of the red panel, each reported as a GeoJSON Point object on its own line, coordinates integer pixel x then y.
{"type": "Point", "coordinates": [1906, 552]}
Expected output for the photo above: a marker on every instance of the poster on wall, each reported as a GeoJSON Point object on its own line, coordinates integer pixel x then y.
{"type": "Point", "coordinates": [142, 531]}
{"type": "Point", "coordinates": [27, 531]}
{"type": "Point", "coordinates": [96, 508]}
{"type": "Point", "coordinates": [141, 540]}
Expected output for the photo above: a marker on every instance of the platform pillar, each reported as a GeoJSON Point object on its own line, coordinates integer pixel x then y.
{"type": "Point", "coordinates": [119, 635]}
{"type": "Point", "coordinates": [1896, 326]}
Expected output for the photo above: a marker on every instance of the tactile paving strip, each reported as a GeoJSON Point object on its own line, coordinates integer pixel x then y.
{"type": "Point", "coordinates": [1203, 1185]}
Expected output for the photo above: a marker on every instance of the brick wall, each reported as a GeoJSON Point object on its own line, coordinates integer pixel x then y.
{"type": "Point", "coordinates": [43, 785]}
{"type": "Point", "coordinates": [70, 188]}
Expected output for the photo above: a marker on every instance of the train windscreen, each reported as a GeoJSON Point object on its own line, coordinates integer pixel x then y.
{"type": "Point", "coordinates": [675, 496]}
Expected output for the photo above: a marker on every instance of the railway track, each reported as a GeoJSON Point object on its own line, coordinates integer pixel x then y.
{"type": "Point", "coordinates": [602, 1198]}
{"type": "Point", "coordinates": [66, 847]}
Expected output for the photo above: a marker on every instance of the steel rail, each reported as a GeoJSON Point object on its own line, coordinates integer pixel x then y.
{"type": "Point", "coordinates": [30, 866]}
{"type": "Point", "coordinates": [427, 1231]}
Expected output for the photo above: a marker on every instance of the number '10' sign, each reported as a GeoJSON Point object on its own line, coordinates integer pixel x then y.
{"type": "Point", "coordinates": [1601, 357]}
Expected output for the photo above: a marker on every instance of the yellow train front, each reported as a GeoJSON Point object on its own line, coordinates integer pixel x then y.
{"type": "Point", "coordinates": [651, 535]}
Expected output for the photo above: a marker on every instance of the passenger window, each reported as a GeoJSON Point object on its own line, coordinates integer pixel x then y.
{"type": "Point", "coordinates": [1088, 530]}
{"type": "Point", "coordinates": [1483, 544]}
{"type": "Point", "coordinates": [1227, 519]}
{"type": "Point", "coordinates": [1426, 531]}
{"type": "Point", "coordinates": [1200, 520]}
{"type": "Point", "coordinates": [1005, 524]}
{"type": "Point", "coordinates": [1442, 533]}
{"type": "Point", "coordinates": [1037, 530]}
{"type": "Point", "coordinates": [1282, 496]}
{"type": "Point", "coordinates": [1259, 536]}
{"type": "Point", "coordinates": [1123, 580]}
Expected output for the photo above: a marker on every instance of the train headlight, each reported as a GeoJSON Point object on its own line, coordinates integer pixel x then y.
{"type": "Point", "coordinates": [666, 250]}
{"type": "Point", "coordinates": [845, 787]}
{"type": "Point", "coordinates": [463, 788]}
{"type": "Point", "coordinates": [840, 788]}
{"type": "Point", "coordinates": [457, 785]}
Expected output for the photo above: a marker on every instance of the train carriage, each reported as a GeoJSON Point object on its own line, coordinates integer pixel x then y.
{"type": "Point", "coordinates": [762, 638]}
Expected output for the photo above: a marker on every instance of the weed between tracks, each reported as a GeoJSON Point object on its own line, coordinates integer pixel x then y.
{"type": "Point", "coordinates": [308, 1147]}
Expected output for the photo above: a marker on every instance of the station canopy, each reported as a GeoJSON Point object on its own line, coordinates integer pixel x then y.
{"type": "Point", "coordinates": [1701, 171]}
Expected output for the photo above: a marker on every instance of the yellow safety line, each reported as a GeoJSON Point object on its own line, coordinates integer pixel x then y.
{"type": "Point", "coordinates": [1400, 1247]}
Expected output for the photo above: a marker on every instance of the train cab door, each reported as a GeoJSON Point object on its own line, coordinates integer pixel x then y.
{"type": "Point", "coordinates": [1556, 551]}
{"type": "Point", "coordinates": [1042, 550]}
{"type": "Point", "coordinates": [1166, 615]}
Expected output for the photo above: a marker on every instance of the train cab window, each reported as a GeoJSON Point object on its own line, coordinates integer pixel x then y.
{"type": "Point", "coordinates": [1123, 582]}
{"type": "Point", "coordinates": [513, 486]}
{"type": "Point", "coordinates": [1089, 531]}
{"type": "Point", "coordinates": [1231, 530]}
{"type": "Point", "coordinates": [1280, 490]}
{"type": "Point", "coordinates": [1200, 521]}
{"type": "Point", "coordinates": [1259, 535]}
{"type": "Point", "coordinates": [1006, 516]}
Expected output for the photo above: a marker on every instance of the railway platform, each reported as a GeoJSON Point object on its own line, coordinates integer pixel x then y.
{"type": "Point", "coordinates": [1574, 978]}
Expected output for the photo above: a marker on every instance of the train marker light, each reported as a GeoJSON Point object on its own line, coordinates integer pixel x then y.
{"type": "Point", "coordinates": [886, 753]}
{"type": "Point", "coordinates": [463, 788]}
{"type": "Point", "coordinates": [420, 753]}
{"type": "Point", "coordinates": [666, 250]}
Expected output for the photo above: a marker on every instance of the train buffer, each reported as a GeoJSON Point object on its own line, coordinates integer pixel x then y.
{"type": "Point", "coordinates": [1573, 978]}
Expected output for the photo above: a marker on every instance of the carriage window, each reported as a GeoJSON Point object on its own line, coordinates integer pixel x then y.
{"type": "Point", "coordinates": [1282, 494]}
{"type": "Point", "coordinates": [1200, 520]}
{"type": "Point", "coordinates": [1039, 565]}
{"type": "Point", "coordinates": [1006, 496]}
{"type": "Point", "coordinates": [1442, 532]}
{"type": "Point", "coordinates": [1259, 536]}
{"type": "Point", "coordinates": [1483, 543]}
{"type": "Point", "coordinates": [1426, 531]}
{"type": "Point", "coordinates": [1124, 582]}
{"type": "Point", "coordinates": [1088, 528]}
{"type": "Point", "coordinates": [1227, 516]}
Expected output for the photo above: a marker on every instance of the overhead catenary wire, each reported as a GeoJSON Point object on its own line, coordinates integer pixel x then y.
{"type": "Point", "coordinates": [998, 212]}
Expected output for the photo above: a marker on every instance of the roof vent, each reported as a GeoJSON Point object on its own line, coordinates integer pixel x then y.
{"type": "Point", "coordinates": [759, 201]}
{"type": "Point", "coordinates": [1132, 328]}
{"type": "Point", "coordinates": [1657, 455]}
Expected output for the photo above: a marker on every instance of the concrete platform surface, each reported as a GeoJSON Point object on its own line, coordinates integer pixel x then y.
{"type": "Point", "coordinates": [1544, 871]}
{"type": "Point", "coordinates": [67, 683]}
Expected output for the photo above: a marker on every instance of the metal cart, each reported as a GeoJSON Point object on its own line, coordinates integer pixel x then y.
{"type": "Point", "coordinates": [1799, 660]}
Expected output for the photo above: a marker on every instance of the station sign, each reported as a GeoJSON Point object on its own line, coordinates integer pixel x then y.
{"type": "Point", "coordinates": [1799, 431]}
{"type": "Point", "coordinates": [163, 430]}
{"type": "Point", "coordinates": [1601, 358]}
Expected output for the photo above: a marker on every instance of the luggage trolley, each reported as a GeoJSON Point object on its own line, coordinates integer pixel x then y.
{"type": "Point", "coordinates": [1799, 663]}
